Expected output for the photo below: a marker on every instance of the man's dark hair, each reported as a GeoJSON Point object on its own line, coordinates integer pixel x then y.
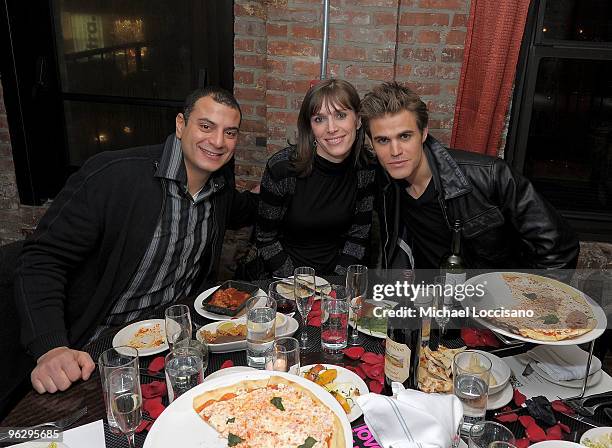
{"type": "Point", "coordinates": [390, 98]}
{"type": "Point", "coordinates": [218, 94]}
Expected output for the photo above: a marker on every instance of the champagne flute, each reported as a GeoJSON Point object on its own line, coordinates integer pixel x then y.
{"type": "Point", "coordinates": [356, 290]}
{"type": "Point", "coordinates": [304, 292]}
{"type": "Point", "coordinates": [178, 324]}
{"type": "Point", "coordinates": [125, 398]}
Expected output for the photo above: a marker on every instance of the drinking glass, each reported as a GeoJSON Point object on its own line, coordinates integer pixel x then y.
{"type": "Point", "coordinates": [283, 304]}
{"type": "Point", "coordinates": [178, 324]}
{"type": "Point", "coordinates": [483, 434]}
{"type": "Point", "coordinates": [357, 291]}
{"type": "Point", "coordinates": [304, 292]}
{"type": "Point", "coordinates": [423, 303]}
{"type": "Point", "coordinates": [443, 305]}
{"type": "Point", "coordinates": [261, 329]}
{"type": "Point", "coordinates": [184, 370]}
{"type": "Point", "coordinates": [200, 346]}
{"type": "Point", "coordinates": [125, 398]}
{"type": "Point", "coordinates": [471, 372]}
{"type": "Point", "coordinates": [109, 361]}
{"type": "Point", "coordinates": [285, 356]}
{"type": "Point", "coordinates": [334, 324]}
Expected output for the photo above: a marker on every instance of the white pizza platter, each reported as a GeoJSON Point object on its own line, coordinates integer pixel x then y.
{"type": "Point", "coordinates": [497, 294]}
{"type": "Point", "coordinates": [180, 425]}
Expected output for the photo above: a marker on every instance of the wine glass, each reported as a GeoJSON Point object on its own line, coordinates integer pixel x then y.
{"type": "Point", "coordinates": [356, 290]}
{"type": "Point", "coordinates": [126, 400]}
{"type": "Point", "coordinates": [178, 324]}
{"type": "Point", "coordinates": [442, 304]}
{"type": "Point", "coordinates": [304, 292]}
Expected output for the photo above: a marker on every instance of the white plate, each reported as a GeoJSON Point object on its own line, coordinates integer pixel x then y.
{"type": "Point", "coordinates": [594, 378]}
{"type": "Point", "coordinates": [500, 399]}
{"type": "Point", "coordinates": [229, 371]}
{"type": "Point", "coordinates": [556, 444]}
{"type": "Point", "coordinates": [595, 433]}
{"type": "Point", "coordinates": [498, 292]}
{"type": "Point", "coordinates": [124, 336]}
{"type": "Point", "coordinates": [500, 370]}
{"type": "Point", "coordinates": [319, 282]}
{"type": "Point", "coordinates": [344, 376]}
{"type": "Point", "coordinates": [197, 305]}
{"type": "Point", "coordinates": [289, 329]}
{"type": "Point", "coordinates": [180, 425]}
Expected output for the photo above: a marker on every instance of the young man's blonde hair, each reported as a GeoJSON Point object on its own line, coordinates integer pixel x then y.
{"type": "Point", "coordinates": [392, 98]}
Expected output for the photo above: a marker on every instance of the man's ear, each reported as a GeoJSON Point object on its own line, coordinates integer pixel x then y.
{"type": "Point", "coordinates": [425, 133]}
{"type": "Point", "coordinates": [180, 124]}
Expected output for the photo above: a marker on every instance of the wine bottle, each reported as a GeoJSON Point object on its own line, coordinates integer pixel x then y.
{"type": "Point", "coordinates": [452, 266]}
{"type": "Point", "coordinates": [402, 349]}
{"type": "Point", "coordinates": [452, 271]}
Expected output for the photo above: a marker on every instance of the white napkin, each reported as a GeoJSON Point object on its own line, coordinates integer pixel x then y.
{"type": "Point", "coordinates": [90, 435]}
{"type": "Point", "coordinates": [563, 362]}
{"type": "Point", "coordinates": [414, 419]}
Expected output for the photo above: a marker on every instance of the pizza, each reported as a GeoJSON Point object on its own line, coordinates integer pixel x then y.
{"type": "Point", "coordinates": [559, 311]}
{"type": "Point", "coordinates": [270, 413]}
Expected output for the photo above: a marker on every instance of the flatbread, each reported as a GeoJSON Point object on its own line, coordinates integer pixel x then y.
{"type": "Point", "coordinates": [245, 410]}
{"type": "Point", "coordinates": [560, 312]}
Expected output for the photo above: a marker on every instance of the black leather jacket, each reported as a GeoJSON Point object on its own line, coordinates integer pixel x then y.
{"type": "Point", "coordinates": [506, 223]}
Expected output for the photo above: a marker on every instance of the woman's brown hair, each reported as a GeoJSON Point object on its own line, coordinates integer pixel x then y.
{"type": "Point", "coordinates": [335, 93]}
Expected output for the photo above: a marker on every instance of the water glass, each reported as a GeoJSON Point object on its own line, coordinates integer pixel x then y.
{"type": "Point", "coordinates": [283, 304]}
{"type": "Point", "coordinates": [285, 356]}
{"type": "Point", "coordinates": [261, 317]}
{"type": "Point", "coordinates": [184, 370]}
{"type": "Point", "coordinates": [357, 291]}
{"type": "Point", "coordinates": [125, 398]}
{"type": "Point", "coordinates": [304, 293]}
{"type": "Point", "coordinates": [471, 372]}
{"type": "Point", "coordinates": [484, 434]}
{"type": "Point", "coordinates": [201, 347]}
{"type": "Point", "coordinates": [334, 325]}
{"type": "Point", "coordinates": [109, 361]}
{"type": "Point", "coordinates": [178, 324]}
{"type": "Point", "coordinates": [443, 304]}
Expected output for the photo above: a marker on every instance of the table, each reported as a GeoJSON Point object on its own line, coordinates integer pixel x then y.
{"type": "Point", "coordinates": [35, 408]}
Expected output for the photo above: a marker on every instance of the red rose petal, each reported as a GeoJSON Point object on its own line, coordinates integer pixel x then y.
{"type": "Point", "coordinates": [332, 294]}
{"type": "Point", "coordinates": [372, 358]}
{"type": "Point", "coordinates": [316, 306]}
{"type": "Point", "coordinates": [153, 406]}
{"type": "Point", "coordinates": [554, 433]}
{"type": "Point", "coordinates": [144, 426]}
{"type": "Point", "coordinates": [154, 389]}
{"type": "Point", "coordinates": [360, 373]}
{"type": "Point", "coordinates": [226, 364]}
{"type": "Point", "coordinates": [157, 365]}
{"type": "Point", "coordinates": [375, 386]}
{"type": "Point", "coordinates": [527, 420]}
{"type": "Point", "coordinates": [522, 443]}
{"type": "Point", "coordinates": [564, 427]}
{"type": "Point", "coordinates": [559, 406]}
{"type": "Point", "coordinates": [519, 398]}
{"type": "Point", "coordinates": [315, 321]}
{"type": "Point", "coordinates": [507, 418]}
{"type": "Point", "coordinates": [535, 433]}
{"type": "Point", "coordinates": [354, 352]}
{"type": "Point", "coordinates": [488, 338]}
{"type": "Point", "coordinates": [375, 372]}
{"type": "Point", "coordinates": [315, 313]}
{"type": "Point", "coordinates": [470, 336]}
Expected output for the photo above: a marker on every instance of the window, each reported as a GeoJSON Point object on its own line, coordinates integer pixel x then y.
{"type": "Point", "coordinates": [560, 132]}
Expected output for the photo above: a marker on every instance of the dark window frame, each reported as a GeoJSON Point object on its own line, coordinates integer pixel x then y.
{"type": "Point", "coordinates": [534, 48]}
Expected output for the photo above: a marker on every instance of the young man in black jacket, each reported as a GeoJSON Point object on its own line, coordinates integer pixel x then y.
{"type": "Point", "coordinates": [131, 230]}
{"type": "Point", "coordinates": [425, 187]}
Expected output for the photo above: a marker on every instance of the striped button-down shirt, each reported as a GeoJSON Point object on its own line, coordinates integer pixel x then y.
{"type": "Point", "coordinates": [183, 234]}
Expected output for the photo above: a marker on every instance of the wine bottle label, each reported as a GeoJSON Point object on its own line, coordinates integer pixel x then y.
{"type": "Point", "coordinates": [397, 360]}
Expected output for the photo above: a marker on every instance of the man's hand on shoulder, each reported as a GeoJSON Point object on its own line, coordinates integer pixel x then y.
{"type": "Point", "coordinates": [59, 368]}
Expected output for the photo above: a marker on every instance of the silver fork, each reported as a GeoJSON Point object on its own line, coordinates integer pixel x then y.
{"type": "Point", "coordinates": [60, 424]}
{"type": "Point", "coordinates": [590, 410]}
